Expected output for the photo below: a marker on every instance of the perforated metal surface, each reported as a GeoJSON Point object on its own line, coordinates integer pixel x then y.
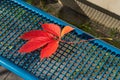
{"type": "Point", "coordinates": [87, 60]}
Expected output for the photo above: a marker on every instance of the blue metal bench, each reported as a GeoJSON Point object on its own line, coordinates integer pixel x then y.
{"type": "Point", "coordinates": [87, 60]}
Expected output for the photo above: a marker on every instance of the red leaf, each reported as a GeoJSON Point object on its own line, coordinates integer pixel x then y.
{"type": "Point", "coordinates": [46, 38]}
{"type": "Point", "coordinates": [52, 28]}
{"type": "Point", "coordinates": [34, 44]}
{"type": "Point", "coordinates": [49, 49]}
{"type": "Point", "coordinates": [66, 30]}
{"type": "Point", "coordinates": [33, 34]}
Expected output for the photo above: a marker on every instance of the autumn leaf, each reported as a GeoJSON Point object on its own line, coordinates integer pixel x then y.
{"type": "Point", "coordinates": [34, 44]}
{"type": "Point", "coordinates": [66, 30]}
{"type": "Point", "coordinates": [49, 49]}
{"type": "Point", "coordinates": [34, 33]}
{"type": "Point", "coordinates": [52, 28]}
{"type": "Point", "coordinates": [47, 39]}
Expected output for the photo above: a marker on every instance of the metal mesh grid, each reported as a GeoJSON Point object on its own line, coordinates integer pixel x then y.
{"type": "Point", "coordinates": [87, 60]}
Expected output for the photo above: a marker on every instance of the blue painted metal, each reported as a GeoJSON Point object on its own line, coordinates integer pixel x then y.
{"type": "Point", "coordinates": [90, 60]}
{"type": "Point", "coordinates": [17, 70]}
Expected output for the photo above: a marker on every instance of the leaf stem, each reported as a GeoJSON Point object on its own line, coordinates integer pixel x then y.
{"type": "Point", "coordinates": [84, 40]}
